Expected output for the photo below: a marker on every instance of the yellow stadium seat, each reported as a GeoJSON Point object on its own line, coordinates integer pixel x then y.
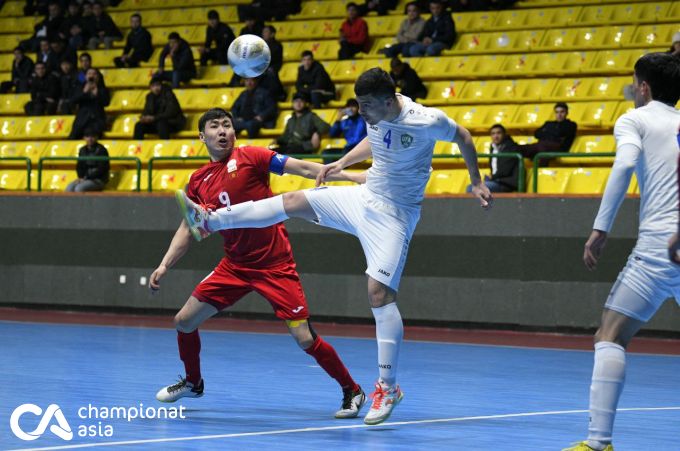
{"type": "Point", "coordinates": [674, 12]}
{"type": "Point", "coordinates": [103, 57]}
{"type": "Point", "coordinates": [316, 9]}
{"type": "Point", "coordinates": [450, 181]}
{"type": "Point", "coordinates": [192, 148]}
{"type": "Point", "coordinates": [446, 148]}
{"type": "Point", "coordinates": [286, 182]}
{"type": "Point", "coordinates": [26, 149]}
{"type": "Point", "coordinates": [123, 126]}
{"type": "Point", "coordinates": [13, 103]}
{"type": "Point", "coordinates": [552, 180]}
{"type": "Point", "coordinates": [531, 115]}
{"type": "Point", "coordinates": [170, 179]}
{"type": "Point", "coordinates": [127, 181]}
{"type": "Point", "coordinates": [612, 62]}
{"type": "Point", "coordinates": [587, 181]}
{"type": "Point", "coordinates": [589, 144]}
{"type": "Point", "coordinates": [478, 21]}
{"type": "Point", "coordinates": [585, 38]}
{"type": "Point", "coordinates": [482, 117]}
{"type": "Point", "coordinates": [654, 35]}
{"type": "Point", "coordinates": [624, 107]}
{"type": "Point", "coordinates": [191, 127]}
{"type": "Point", "coordinates": [604, 88]}
{"type": "Point", "coordinates": [9, 41]}
{"type": "Point", "coordinates": [10, 8]}
{"type": "Point", "coordinates": [381, 43]}
{"type": "Point", "coordinates": [126, 100]}
{"type": "Point", "coordinates": [293, 49]}
{"type": "Point", "coordinates": [498, 42]}
{"type": "Point", "coordinates": [256, 142]}
{"type": "Point", "coordinates": [57, 180]}
{"type": "Point", "coordinates": [333, 143]}
{"type": "Point", "coordinates": [224, 97]}
{"type": "Point", "coordinates": [631, 13]}
{"type": "Point", "coordinates": [593, 114]}
{"type": "Point", "coordinates": [349, 70]}
{"type": "Point", "coordinates": [131, 149]}
{"type": "Point", "coordinates": [9, 126]}
{"type": "Point", "coordinates": [444, 92]}
{"type": "Point", "coordinates": [62, 149]}
{"type": "Point", "coordinates": [46, 126]}
{"type": "Point", "coordinates": [195, 99]}
{"type": "Point", "coordinates": [483, 143]}
{"type": "Point", "coordinates": [19, 24]}
{"type": "Point", "coordinates": [383, 25]}
{"type": "Point", "coordinates": [297, 30]}
{"type": "Point", "coordinates": [214, 75]}
{"type": "Point", "coordinates": [513, 19]}
{"type": "Point", "coordinates": [13, 180]}
{"type": "Point", "coordinates": [288, 72]}
{"type": "Point", "coordinates": [634, 187]}
{"type": "Point", "coordinates": [323, 50]}
{"type": "Point", "coordinates": [6, 61]}
{"type": "Point", "coordinates": [343, 92]}
{"type": "Point", "coordinates": [128, 78]}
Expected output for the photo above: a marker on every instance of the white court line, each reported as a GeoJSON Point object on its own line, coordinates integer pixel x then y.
{"type": "Point", "coordinates": [337, 428]}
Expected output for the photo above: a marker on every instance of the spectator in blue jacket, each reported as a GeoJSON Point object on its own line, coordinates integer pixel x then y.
{"type": "Point", "coordinates": [350, 126]}
{"type": "Point", "coordinates": [254, 108]}
{"type": "Point", "coordinates": [438, 34]}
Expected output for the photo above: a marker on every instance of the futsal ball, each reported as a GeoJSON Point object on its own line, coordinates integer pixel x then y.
{"type": "Point", "coordinates": [249, 56]}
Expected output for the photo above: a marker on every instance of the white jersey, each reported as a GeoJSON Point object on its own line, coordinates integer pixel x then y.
{"type": "Point", "coordinates": [646, 139]}
{"type": "Point", "coordinates": [402, 152]}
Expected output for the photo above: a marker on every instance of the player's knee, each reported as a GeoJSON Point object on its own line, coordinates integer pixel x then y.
{"type": "Point", "coordinates": [380, 295]}
{"type": "Point", "coordinates": [610, 337]}
{"type": "Point", "coordinates": [183, 324]}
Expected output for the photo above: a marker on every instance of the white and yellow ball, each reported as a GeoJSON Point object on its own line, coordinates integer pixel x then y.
{"type": "Point", "coordinates": [249, 56]}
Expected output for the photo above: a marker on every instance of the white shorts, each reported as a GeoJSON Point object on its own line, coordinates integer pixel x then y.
{"type": "Point", "coordinates": [653, 277]}
{"type": "Point", "coordinates": [383, 229]}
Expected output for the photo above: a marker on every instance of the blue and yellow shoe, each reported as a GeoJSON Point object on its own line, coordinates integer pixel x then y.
{"type": "Point", "coordinates": [196, 216]}
{"type": "Point", "coordinates": [583, 446]}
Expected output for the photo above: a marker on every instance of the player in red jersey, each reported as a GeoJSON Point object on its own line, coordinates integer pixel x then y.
{"type": "Point", "coordinates": [257, 260]}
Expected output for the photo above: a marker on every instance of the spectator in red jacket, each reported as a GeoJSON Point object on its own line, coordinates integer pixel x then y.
{"type": "Point", "coordinates": [353, 34]}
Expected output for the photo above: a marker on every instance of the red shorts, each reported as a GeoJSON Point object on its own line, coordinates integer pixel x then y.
{"type": "Point", "coordinates": [279, 285]}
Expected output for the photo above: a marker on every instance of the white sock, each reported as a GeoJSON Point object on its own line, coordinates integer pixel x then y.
{"type": "Point", "coordinates": [258, 214]}
{"type": "Point", "coordinates": [609, 373]}
{"type": "Point", "coordinates": [389, 330]}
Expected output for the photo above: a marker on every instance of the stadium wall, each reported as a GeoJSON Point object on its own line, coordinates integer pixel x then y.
{"type": "Point", "coordinates": [518, 264]}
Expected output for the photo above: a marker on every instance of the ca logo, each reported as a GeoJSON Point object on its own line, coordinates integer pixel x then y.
{"type": "Point", "coordinates": [62, 430]}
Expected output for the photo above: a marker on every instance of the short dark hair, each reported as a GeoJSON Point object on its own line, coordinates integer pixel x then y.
{"type": "Point", "coordinates": [19, 49]}
{"type": "Point", "coordinates": [85, 55]}
{"type": "Point", "coordinates": [91, 131]}
{"type": "Point", "coordinates": [561, 105]}
{"type": "Point", "coordinates": [661, 71]}
{"type": "Point", "coordinates": [271, 28]}
{"type": "Point", "coordinates": [212, 14]}
{"type": "Point", "coordinates": [500, 126]}
{"type": "Point", "coordinates": [40, 62]}
{"type": "Point", "coordinates": [137, 15]}
{"type": "Point", "coordinates": [375, 82]}
{"type": "Point", "coordinates": [352, 102]}
{"type": "Point", "coordinates": [351, 5]}
{"type": "Point", "coordinates": [307, 53]}
{"type": "Point", "coordinates": [213, 113]}
{"type": "Point", "coordinates": [173, 35]}
{"type": "Point", "coordinates": [156, 79]}
{"type": "Point", "coordinates": [411, 4]}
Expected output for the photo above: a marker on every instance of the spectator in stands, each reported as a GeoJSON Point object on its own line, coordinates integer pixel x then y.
{"type": "Point", "coordinates": [44, 92]}
{"type": "Point", "coordinates": [100, 28]}
{"type": "Point", "coordinates": [46, 29]}
{"type": "Point", "coordinates": [221, 34]}
{"type": "Point", "coordinates": [406, 79]}
{"type": "Point", "coordinates": [350, 126]}
{"type": "Point", "coordinates": [275, 47]}
{"type": "Point", "coordinates": [77, 38]}
{"type": "Point", "coordinates": [382, 7]}
{"type": "Point", "coordinates": [138, 46]}
{"type": "Point", "coordinates": [62, 51]}
{"type": "Point", "coordinates": [408, 33]}
{"type": "Point", "coordinates": [85, 65]}
{"type": "Point", "coordinates": [254, 108]}
{"type": "Point", "coordinates": [504, 171]}
{"type": "Point", "coordinates": [73, 17]}
{"type": "Point", "coordinates": [91, 100]}
{"type": "Point", "coordinates": [314, 81]}
{"type": "Point", "coordinates": [22, 68]}
{"type": "Point", "coordinates": [553, 136]}
{"type": "Point", "coordinates": [353, 34]}
{"type": "Point", "coordinates": [251, 26]}
{"type": "Point", "coordinates": [92, 174]}
{"type": "Point", "coordinates": [162, 113]}
{"type": "Point", "coordinates": [271, 82]}
{"type": "Point", "coordinates": [36, 7]}
{"type": "Point", "coordinates": [675, 45]}
{"type": "Point", "coordinates": [439, 32]}
{"type": "Point", "coordinates": [69, 87]}
{"type": "Point", "coordinates": [46, 55]}
{"type": "Point", "coordinates": [264, 10]}
{"type": "Point", "coordinates": [303, 130]}
{"type": "Point", "coordinates": [183, 67]}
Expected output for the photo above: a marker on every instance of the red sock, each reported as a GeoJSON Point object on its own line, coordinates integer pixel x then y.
{"type": "Point", "coordinates": [189, 350]}
{"type": "Point", "coordinates": [328, 359]}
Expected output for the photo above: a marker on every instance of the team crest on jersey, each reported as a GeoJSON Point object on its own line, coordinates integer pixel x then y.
{"type": "Point", "coordinates": [406, 140]}
{"type": "Point", "coordinates": [231, 166]}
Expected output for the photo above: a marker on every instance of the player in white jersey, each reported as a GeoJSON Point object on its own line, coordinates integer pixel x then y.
{"type": "Point", "coordinates": [646, 144]}
{"type": "Point", "coordinates": [382, 213]}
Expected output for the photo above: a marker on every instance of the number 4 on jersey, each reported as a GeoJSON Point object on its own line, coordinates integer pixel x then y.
{"type": "Point", "coordinates": [387, 139]}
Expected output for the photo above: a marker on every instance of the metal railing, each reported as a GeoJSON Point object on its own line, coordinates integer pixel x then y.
{"type": "Point", "coordinates": [137, 161]}
{"type": "Point", "coordinates": [548, 155]}
{"type": "Point", "coordinates": [28, 168]}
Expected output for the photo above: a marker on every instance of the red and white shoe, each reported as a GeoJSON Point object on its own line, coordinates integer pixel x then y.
{"type": "Point", "coordinates": [384, 401]}
{"type": "Point", "coordinates": [194, 214]}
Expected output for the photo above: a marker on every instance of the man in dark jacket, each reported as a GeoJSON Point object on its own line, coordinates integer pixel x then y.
{"type": "Point", "coordinates": [92, 174]}
{"type": "Point", "coordinates": [219, 33]}
{"type": "Point", "coordinates": [69, 87]}
{"type": "Point", "coordinates": [505, 170]}
{"type": "Point", "coordinates": [553, 136]}
{"type": "Point", "coordinates": [91, 100]}
{"type": "Point", "coordinates": [46, 55]}
{"type": "Point", "coordinates": [254, 108]}
{"type": "Point", "coordinates": [138, 46]}
{"type": "Point", "coordinates": [314, 81]}
{"type": "Point", "coordinates": [101, 28]}
{"type": "Point", "coordinates": [407, 80]}
{"type": "Point", "coordinates": [46, 29]}
{"type": "Point", "coordinates": [162, 114]}
{"type": "Point", "coordinates": [303, 130]}
{"type": "Point", "coordinates": [44, 92]}
{"type": "Point", "coordinates": [275, 47]}
{"type": "Point", "coordinates": [22, 68]}
{"type": "Point", "coordinates": [183, 67]}
{"type": "Point", "coordinates": [438, 34]}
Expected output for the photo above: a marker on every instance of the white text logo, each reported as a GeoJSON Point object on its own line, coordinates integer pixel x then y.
{"type": "Point", "coordinates": [62, 430]}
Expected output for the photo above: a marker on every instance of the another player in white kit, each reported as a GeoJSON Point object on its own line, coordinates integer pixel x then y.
{"type": "Point", "coordinates": [382, 213]}
{"type": "Point", "coordinates": [646, 144]}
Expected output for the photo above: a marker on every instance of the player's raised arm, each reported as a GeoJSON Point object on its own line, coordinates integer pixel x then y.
{"type": "Point", "coordinates": [359, 153]}
{"type": "Point", "coordinates": [178, 247]}
{"type": "Point", "coordinates": [467, 148]}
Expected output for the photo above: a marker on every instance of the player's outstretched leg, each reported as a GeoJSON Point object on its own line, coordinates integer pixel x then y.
{"type": "Point", "coordinates": [353, 397]}
{"type": "Point", "coordinates": [187, 321]}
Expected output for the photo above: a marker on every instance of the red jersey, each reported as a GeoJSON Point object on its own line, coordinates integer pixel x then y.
{"type": "Point", "coordinates": [242, 177]}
